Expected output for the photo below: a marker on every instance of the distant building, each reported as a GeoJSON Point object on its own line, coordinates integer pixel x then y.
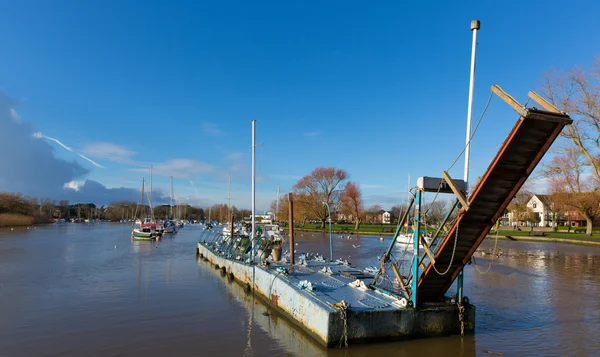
{"type": "Point", "coordinates": [266, 218]}
{"type": "Point", "coordinates": [386, 217]}
{"type": "Point", "coordinates": [541, 205]}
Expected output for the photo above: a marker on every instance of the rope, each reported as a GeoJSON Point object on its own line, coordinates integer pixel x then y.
{"type": "Point", "coordinates": [474, 131]}
{"type": "Point", "coordinates": [493, 256]}
{"type": "Point", "coordinates": [464, 148]}
{"type": "Point", "coordinates": [342, 307]}
{"type": "Point", "coordinates": [451, 259]}
{"type": "Point", "coordinates": [461, 318]}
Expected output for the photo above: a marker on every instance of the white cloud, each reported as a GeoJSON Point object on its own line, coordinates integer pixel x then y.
{"type": "Point", "coordinates": [211, 128]}
{"type": "Point", "coordinates": [73, 185]}
{"type": "Point", "coordinates": [16, 117]}
{"type": "Point", "coordinates": [109, 151]}
{"type": "Point", "coordinates": [180, 168]}
{"type": "Point", "coordinates": [39, 135]}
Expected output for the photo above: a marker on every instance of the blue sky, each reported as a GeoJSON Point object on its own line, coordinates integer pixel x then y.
{"type": "Point", "coordinates": [379, 89]}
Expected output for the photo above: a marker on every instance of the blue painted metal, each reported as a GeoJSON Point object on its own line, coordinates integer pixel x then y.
{"type": "Point", "coordinates": [459, 290]}
{"type": "Point", "coordinates": [386, 256]}
{"type": "Point", "coordinates": [432, 244]}
{"type": "Point", "coordinates": [416, 240]}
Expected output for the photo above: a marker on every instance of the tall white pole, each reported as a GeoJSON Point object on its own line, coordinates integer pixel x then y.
{"type": "Point", "coordinates": [151, 208]}
{"type": "Point", "coordinates": [253, 186]}
{"type": "Point", "coordinates": [171, 212]}
{"type": "Point", "coordinates": [475, 25]}
{"type": "Point", "coordinates": [277, 206]}
{"type": "Point", "coordinates": [229, 198]}
{"type": "Point", "coordinates": [408, 188]}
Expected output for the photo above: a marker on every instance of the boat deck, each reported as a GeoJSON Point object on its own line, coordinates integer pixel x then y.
{"type": "Point", "coordinates": [337, 286]}
{"type": "Point", "coordinates": [312, 299]}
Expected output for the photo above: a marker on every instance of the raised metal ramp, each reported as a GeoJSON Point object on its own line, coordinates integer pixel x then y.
{"type": "Point", "coordinates": [527, 143]}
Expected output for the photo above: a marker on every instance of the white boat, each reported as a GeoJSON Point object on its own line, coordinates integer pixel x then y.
{"type": "Point", "coordinates": [273, 232]}
{"type": "Point", "coordinates": [407, 239]}
{"type": "Point", "coordinates": [146, 229]}
{"type": "Point", "coordinates": [170, 227]}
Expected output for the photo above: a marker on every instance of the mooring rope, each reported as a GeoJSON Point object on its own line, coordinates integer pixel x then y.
{"type": "Point", "coordinates": [452, 258]}
{"type": "Point", "coordinates": [493, 255]}
{"type": "Point", "coordinates": [343, 307]}
{"type": "Point", "coordinates": [464, 148]}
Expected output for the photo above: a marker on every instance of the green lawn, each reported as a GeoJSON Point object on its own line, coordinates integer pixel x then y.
{"type": "Point", "coordinates": [559, 234]}
{"type": "Point", "coordinates": [364, 228]}
{"type": "Point", "coordinates": [391, 228]}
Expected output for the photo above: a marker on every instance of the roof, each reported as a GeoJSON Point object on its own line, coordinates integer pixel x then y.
{"type": "Point", "coordinates": [546, 199]}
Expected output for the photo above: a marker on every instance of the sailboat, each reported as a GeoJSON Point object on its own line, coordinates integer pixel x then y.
{"type": "Point", "coordinates": [144, 230]}
{"type": "Point", "coordinates": [170, 225]}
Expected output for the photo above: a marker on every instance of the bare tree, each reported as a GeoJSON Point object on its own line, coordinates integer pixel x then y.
{"type": "Point", "coordinates": [435, 212]}
{"type": "Point", "coordinates": [318, 187]}
{"type": "Point", "coordinates": [572, 189]}
{"type": "Point", "coordinates": [352, 203]}
{"type": "Point", "coordinates": [578, 93]}
{"type": "Point", "coordinates": [518, 205]}
{"type": "Point", "coordinates": [372, 212]}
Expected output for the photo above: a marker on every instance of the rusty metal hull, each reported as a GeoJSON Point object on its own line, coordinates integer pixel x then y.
{"type": "Point", "coordinates": [372, 316]}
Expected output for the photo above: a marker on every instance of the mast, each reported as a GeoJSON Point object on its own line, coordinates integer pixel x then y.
{"type": "Point", "coordinates": [277, 205]}
{"type": "Point", "coordinates": [142, 195]}
{"type": "Point", "coordinates": [408, 188]}
{"type": "Point", "coordinates": [171, 213]}
{"type": "Point", "coordinates": [253, 185]}
{"type": "Point", "coordinates": [150, 198]}
{"type": "Point", "coordinates": [475, 25]}
{"type": "Point", "coordinates": [229, 197]}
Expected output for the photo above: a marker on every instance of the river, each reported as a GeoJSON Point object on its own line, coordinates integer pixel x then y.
{"type": "Point", "coordinates": [88, 290]}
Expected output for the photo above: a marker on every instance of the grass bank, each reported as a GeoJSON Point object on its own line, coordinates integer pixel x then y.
{"type": "Point", "coordinates": [367, 229]}
{"type": "Point", "coordinates": [388, 230]}
{"type": "Point", "coordinates": [20, 220]}
{"type": "Point", "coordinates": [15, 220]}
{"type": "Point", "coordinates": [556, 235]}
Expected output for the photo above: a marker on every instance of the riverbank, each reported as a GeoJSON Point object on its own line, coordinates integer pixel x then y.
{"type": "Point", "coordinates": [10, 220]}
{"type": "Point", "coordinates": [15, 220]}
{"type": "Point", "coordinates": [550, 237]}
{"type": "Point", "coordinates": [566, 240]}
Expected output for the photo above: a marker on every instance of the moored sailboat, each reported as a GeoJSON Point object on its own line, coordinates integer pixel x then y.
{"type": "Point", "coordinates": [144, 230]}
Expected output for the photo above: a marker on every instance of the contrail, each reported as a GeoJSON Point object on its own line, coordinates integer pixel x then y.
{"type": "Point", "coordinates": [192, 183]}
{"type": "Point", "coordinates": [40, 136]}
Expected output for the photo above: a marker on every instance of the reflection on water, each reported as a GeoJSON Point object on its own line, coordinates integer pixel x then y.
{"type": "Point", "coordinates": [89, 290]}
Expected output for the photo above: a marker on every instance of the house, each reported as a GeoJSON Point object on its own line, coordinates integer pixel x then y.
{"type": "Point", "coordinates": [266, 218]}
{"type": "Point", "coordinates": [545, 214]}
{"type": "Point", "coordinates": [542, 207]}
{"type": "Point", "coordinates": [386, 217]}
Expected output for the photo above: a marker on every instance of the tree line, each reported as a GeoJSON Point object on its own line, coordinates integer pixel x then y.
{"type": "Point", "coordinates": [330, 187]}
{"type": "Point", "coordinates": [18, 209]}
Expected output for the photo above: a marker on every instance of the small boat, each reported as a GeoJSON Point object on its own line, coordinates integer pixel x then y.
{"type": "Point", "coordinates": [407, 239]}
{"type": "Point", "coordinates": [143, 233]}
{"type": "Point", "coordinates": [146, 229]}
{"type": "Point", "coordinates": [170, 227]}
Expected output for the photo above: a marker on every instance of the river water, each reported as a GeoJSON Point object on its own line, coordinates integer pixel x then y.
{"type": "Point", "coordinates": [88, 290]}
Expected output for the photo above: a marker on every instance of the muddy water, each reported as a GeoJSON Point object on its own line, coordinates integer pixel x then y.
{"type": "Point", "coordinates": [87, 290]}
